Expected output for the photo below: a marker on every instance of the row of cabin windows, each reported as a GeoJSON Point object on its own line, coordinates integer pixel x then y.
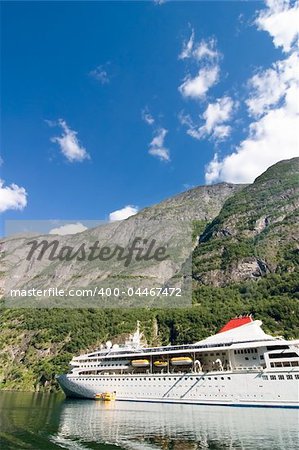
{"type": "Point", "coordinates": [245, 350]}
{"type": "Point", "coordinates": [155, 379]}
{"type": "Point", "coordinates": [102, 365]}
{"type": "Point", "coordinates": [265, 377]}
{"type": "Point", "coordinates": [285, 364]}
{"type": "Point", "coordinates": [280, 377]}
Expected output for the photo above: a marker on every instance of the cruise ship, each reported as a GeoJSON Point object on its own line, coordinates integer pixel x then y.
{"type": "Point", "coordinates": [241, 365]}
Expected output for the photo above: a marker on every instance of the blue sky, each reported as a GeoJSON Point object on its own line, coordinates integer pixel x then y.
{"type": "Point", "coordinates": [106, 104]}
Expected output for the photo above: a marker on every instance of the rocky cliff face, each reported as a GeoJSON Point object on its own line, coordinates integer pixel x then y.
{"type": "Point", "coordinates": [201, 203]}
{"type": "Point", "coordinates": [256, 231]}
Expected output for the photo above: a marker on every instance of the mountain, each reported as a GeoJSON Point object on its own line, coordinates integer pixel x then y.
{"type": "Point", "coordinates": [169, 223]}
{"type": "Point", "coordinates": [256, 232]}
{"type": "Point", "coordinates": [201, 203]}
{"type": "Point", "coordinates": [245, 260]}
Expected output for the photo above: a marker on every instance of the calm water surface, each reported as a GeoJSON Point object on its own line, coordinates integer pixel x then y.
{"type": "Point", "coordinates": [48, 421]}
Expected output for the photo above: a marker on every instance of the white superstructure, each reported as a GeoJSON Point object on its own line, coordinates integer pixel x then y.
{"type": "Point", "coordinates": [240, 365]}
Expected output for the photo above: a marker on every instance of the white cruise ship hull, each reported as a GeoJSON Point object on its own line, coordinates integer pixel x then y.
{"type": "Point", "coordinates": [267, 389]}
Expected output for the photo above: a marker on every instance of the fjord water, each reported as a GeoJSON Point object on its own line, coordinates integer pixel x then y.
{"type": "Point", "coordinates": [48, 421]}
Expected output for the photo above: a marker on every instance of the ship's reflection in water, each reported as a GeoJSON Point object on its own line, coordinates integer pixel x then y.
{"type": "Point", "coordinates": [169, 426]}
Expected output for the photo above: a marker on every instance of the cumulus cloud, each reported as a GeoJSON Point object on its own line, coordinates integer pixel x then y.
{"type": "Point", "coordinates": [70, 228]}
{"type": "Point", "coordinates": [273, 102]}
{"type": "Point", "coordinates": [12, 197]}
{"type": "Point", "coordinates": [157, 147]}
{"type": "Point", "coordinates": [273, 138]}
{"type": "Point", "coordinates": [205, 49]}
{"type": "Point", "coordinates": [197, 87]}
{"type": "Point", "coordinates": [213, 170]}
{"type": "Point", "coordinates": [100, 74]}
{"type": "Point", "coordinates": [216, 116]}
{"type": "Point", "coordinates": [69, 144]}
{"type": "Point", "coordinates": [124, 213]}
{"type": "Point", "coordinates": [271, 86]}
{"type": "Point", "coordinates": [281, 21]}
{"type": "Point", "coordinates": [206, 55]}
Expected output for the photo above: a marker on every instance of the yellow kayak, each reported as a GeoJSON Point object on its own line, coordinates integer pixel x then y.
{"type": "Point", "coordinates": [105, 396]}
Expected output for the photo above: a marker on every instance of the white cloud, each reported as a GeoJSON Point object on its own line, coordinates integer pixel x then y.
{"type": "Point", "coordinates": [187, 47]}
{"type": "Point", "coordinates": [281, 21]}
{"type": "Point", "coordinates": [205, 54]}
{"type": "Point", "coordinates": [124, 213]}
{"type": "Point", "coordinates": [198, 86]}
{"type": "Point", "coordinates": [70, 228]}
{"type": "Point", "coordinates": [205, 49]}
{"type": "Point", "coordinates": [217, 113]}
{"type": "Point", "coordinates": [271, 139]}
{"type": "Point", "coordinates": [216, 116]}
{"type": "Point", "coordinates": [157, 148]}
{"type": "Point", "coordinates": [273, 102]}
{"type": "Point", "coordinates": [147, 117]}
{"type": "Point", "coordinates": [100, 74]}
{"type": "Point", "coordinates": [213, 170]}
{"type": "Point", "coordinates": [12, 197]}
{"type": "Point", "coordinates": [271, 86]}
{"type": "Point", "coordinates": [69, 144]}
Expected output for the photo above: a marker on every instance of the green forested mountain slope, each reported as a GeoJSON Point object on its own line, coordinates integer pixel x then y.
{"type": "Point", "coordinates": [256, 231]}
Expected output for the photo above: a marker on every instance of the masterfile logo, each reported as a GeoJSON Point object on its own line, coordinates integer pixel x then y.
{"type": "Point", "coordinates": [133, 263]}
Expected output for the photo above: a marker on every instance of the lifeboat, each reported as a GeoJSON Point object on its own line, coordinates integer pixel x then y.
{"type": "Point", "coordinates": [181, 361]}
{"type": "Point", "coordinates": [105, 396]}
{"type": "Point", "coordinates": [140, 363]}
{"type": "Point", "coordinates": [160, 364]}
